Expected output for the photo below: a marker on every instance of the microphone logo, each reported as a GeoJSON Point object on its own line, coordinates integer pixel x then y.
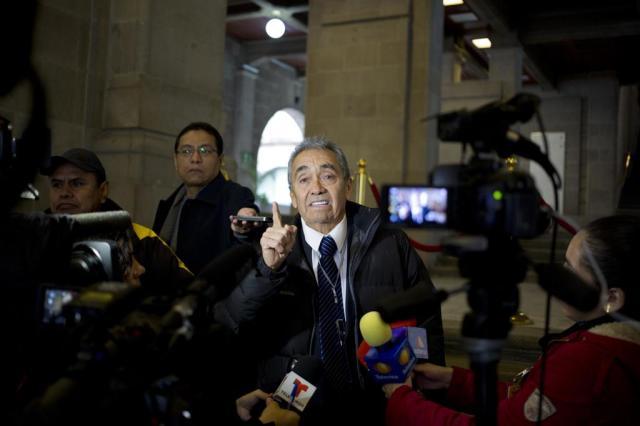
{"type": "Point", "coordinates": [298, 387]}
{"type": "Point", "coordinates": [294, 391]}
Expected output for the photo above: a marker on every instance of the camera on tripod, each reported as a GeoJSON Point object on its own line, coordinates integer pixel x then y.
{"type": "Point", "coordinates": [482, 196]}
{"type": "Point", "coordinates": [495, 205]}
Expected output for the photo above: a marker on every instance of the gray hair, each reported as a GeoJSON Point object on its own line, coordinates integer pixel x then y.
{"type": "Point", "coordinates": [320, 142]}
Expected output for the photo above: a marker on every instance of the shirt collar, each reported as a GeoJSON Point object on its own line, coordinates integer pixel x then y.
{"type": "Point", "coordinates": [338, 233]}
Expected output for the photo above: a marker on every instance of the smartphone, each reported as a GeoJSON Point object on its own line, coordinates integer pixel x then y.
{"type": "Point", "coordinates": [262, 219]}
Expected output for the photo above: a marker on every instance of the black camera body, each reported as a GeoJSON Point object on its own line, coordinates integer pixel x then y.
{"type": "Point", "coordinates": [476, 198]}
{"type": "Point", "coordinates": [91, 261]}
{"type": "Point", "coordinates": [482, 196]}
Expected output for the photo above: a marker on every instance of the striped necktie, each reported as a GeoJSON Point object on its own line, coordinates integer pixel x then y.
{"type": "Point", "coordinates": [331, 316]}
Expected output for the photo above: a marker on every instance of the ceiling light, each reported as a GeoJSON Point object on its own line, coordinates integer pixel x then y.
{"type": "Point", "coordinates": [274, 28]}
{"type": "Point", "coordinates": [481, 43]}
{"type": "Point", "coordinates": [452, 2]}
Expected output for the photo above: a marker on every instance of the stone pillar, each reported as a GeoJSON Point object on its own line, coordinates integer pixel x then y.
{"type": "Point", "coordinates": [243, 149]}
{"type": "Point", "coordinates": [505, 65]}
{"type": "Point", "coordinates": [69, 44]}
{"type": "Point", "coordinates": [371, 79]}
{"type": "Point", "coordinates": [164, 70]}
{"type": "Point", "coordinates": [451, 68]}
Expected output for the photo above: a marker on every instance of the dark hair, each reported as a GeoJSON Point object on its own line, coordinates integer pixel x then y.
{"type": "Point", "coordinates": [614, 242]}
{"type": "Point", "coordinates": [319, 142]}
{"type": "Point", "coordinates": [200, 125]}
{"type": "Point", "coordinates": [127, 242]}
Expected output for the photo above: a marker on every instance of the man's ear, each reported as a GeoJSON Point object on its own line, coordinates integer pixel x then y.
{"type": "Point", "coordinates": [294, 201]}
{"type": "Point", "coordinates": [104, 191]}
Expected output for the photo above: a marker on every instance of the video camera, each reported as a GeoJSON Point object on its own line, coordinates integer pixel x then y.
{"type": "Point", "coordinates": [497, 206]}
{"type": "Point", "coordinates": [125, 347]}
{"type": "Point", "coordinates": [480, 197]}
{"type": "Point", "coordinates": [90, 262]}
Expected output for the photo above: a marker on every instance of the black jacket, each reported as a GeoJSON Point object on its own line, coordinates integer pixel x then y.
{"type": "Point", "coordinates": [278, 307]}
{"type": "Point", "coordinates": [205, 229]}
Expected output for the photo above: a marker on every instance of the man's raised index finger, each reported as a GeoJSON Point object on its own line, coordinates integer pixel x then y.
{"type": "Point", "coordinates": [277, 219]}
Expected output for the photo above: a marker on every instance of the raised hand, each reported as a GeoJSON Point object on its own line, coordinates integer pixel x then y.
{"type": "Point", "coordinates": [277, 241]}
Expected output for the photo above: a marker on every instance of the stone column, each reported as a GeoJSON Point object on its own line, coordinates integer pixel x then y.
{"type": "Point", "coordinates": [505, 65]}
{"type": "Point", "coordinates": [371, 79]}
{"type": "Point", "coordinates": [243, 149]}
{"type": "Point", "coordinates": [164, 70]}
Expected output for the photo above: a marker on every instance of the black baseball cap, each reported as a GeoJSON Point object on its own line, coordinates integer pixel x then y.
{"type": "Point", "coordinates": [82, 158]}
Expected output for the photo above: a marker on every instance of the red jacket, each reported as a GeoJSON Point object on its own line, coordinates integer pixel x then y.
{"type": "Point", "coordinates": [592, 378]}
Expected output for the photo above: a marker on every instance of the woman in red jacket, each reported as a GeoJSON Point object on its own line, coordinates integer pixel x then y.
{"type": "Point", "coordinates": [593, 368]}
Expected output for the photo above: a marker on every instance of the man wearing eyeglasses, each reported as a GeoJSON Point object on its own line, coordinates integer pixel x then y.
{"type": "Point", "coordinates": [195, 219]}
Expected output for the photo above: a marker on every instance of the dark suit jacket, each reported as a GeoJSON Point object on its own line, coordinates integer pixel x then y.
{"type": "Point", "coordinates": [205, 229]}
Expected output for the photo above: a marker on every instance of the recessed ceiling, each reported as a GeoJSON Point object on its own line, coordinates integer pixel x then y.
{"type": "Point", "coordinates": [559, 38]}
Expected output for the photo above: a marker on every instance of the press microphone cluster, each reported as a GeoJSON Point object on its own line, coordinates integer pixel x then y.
{"type": "Point", "coordinates": [214, 283]}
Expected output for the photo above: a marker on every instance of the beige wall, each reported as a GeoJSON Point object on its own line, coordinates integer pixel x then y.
{"type": "Point", "coordinates": [164, 70]}
{"type": "Point", "coordinates": [69, 43]}
{"type": "Point", "coordinates": [122, 77]}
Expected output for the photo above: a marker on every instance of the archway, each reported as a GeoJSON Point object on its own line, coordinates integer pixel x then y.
{"type": "Point", "coordinates": [283, 131]}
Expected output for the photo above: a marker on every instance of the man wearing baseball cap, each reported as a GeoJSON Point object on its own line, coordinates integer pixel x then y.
{"type": "Point", "coordinates": [78, 184]}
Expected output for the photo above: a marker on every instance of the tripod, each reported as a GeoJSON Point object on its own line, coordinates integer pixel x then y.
{"type": "Point", "coordinates": [493, 297]}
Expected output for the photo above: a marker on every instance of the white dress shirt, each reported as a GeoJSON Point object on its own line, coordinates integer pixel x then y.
{"type": "Point", "coordinates": [339, 235]}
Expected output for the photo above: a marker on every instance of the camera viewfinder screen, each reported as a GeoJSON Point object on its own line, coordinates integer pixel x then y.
{"type": "Point", "coordinates": [417, 206]}
{"type": "Point", "coordinates": [54, 300]}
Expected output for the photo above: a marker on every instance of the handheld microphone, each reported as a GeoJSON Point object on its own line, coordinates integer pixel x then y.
{"type": "Point", "coordinates": [568, 287]}
{"type": "Point", "coordinates": [299, 385]}
{"type": "Point", "coordinates": [390, 358]}
{"type": "Point", "coordinates": [411, 303]}
{"type": "Point", "coordinates": [218, 278]}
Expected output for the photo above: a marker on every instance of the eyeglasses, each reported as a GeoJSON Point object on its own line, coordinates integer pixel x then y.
{"type": "Point", "coordinates": [187, 151]}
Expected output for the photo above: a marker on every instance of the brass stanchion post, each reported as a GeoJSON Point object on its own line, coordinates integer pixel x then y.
{"type": "Point", "coordinates": [362, 181]}
{"type": "Point", "coordinates": [520, 318]}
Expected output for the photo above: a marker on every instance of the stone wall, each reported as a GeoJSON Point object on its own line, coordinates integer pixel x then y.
{"type": "Point", "coordinates": [69, 48]}
{"type": "Point", "coordinates": [370, 71]}
{"type": "Point", "coordinates": [122, 78]}
{"type": "Point", "coordinates": [253, 93]}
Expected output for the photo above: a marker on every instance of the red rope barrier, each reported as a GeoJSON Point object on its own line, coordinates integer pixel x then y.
{"type": "Point", "coordinates": [563, 224]}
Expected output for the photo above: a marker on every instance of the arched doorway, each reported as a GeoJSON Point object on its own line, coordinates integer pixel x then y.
{"type": "Point", "coordinates": [284, 130]}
